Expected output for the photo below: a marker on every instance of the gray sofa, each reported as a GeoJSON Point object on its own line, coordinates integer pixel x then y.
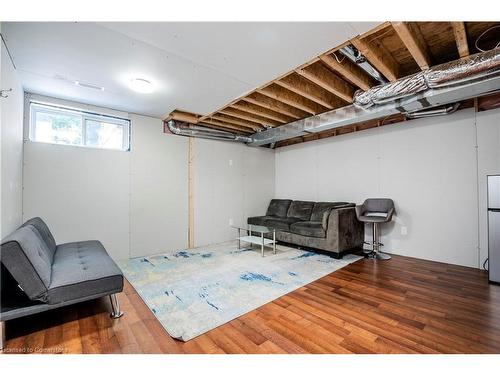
{"type": "Point", "coordinates": [38, 275]}
{"type": "Point", "coordinates": [327, 226]}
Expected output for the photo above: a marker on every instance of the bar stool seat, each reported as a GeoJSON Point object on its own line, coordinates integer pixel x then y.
{"type": "Point", "coordinates": [376, 211]}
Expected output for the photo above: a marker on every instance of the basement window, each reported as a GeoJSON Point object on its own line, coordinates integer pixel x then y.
{"type": "Point", "coordinates": [64, 126]}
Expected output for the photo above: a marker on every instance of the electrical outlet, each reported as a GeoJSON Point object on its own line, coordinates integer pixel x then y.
{"type": "Point", "coordinates": [230, 162]}
{"type": "Point", "coordinates": [404, 231]}
{"type": "Point", "coordinates": [230, 221]}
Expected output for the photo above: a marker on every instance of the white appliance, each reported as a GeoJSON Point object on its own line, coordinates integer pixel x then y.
{"type": "Point", "coordinates": [494, 228]}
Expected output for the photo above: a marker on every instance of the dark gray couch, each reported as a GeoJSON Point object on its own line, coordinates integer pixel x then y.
{"type": "Point", "coordinates": [328, 226]}
{"type": "Point", "coordinates": [38, 275]}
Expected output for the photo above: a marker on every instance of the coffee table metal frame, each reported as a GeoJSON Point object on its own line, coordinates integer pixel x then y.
{"type": "Point", "coordinates": [258, 240]}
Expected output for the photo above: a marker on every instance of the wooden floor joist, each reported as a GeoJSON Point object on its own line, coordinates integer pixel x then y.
{"type": "Point", "coordinates": [383, 62]}
{"type": "Point", "coordinates": [412, 38]}
{"type": "Point", "coordinates": [261, 111]}
{"type": "Point", "coordinates": [292, 99]}
{"type": "Point", "coordinates": [461, 38]}
{"type": "Point", "coordinates": [349, 71]}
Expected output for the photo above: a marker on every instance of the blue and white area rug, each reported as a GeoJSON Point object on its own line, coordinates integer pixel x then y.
{"type": "Point", "coordinates": [193, 291]}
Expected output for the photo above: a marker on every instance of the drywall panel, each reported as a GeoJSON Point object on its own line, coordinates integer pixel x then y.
{"type": "Point", "coordinates": [488, 140]}
{"type": "Point", "coordinates": [158, 189]}
{"type": "Point", "coordinates": [82, 193]}
{"type": "Point", "coordinates": [427, 166]}
{"type": "Point", "coordinates": [230, 181]}
{"type": "Point", "coordinates": [11, 119]}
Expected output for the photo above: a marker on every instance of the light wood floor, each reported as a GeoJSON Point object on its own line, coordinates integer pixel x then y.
{"type": "Point", "coordinates": [403, 305]}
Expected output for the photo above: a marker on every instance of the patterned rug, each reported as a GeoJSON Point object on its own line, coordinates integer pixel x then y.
{"type": "Point", "coordinates": [193, 291]}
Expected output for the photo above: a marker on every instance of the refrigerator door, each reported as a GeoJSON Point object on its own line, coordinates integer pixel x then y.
{"type": "Point", "coordinates": [493, 191]}
{"type": "Point", "coordinates": [494, 245]}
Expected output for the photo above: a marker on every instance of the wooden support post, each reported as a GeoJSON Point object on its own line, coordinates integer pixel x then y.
{"type": "Point", "coordinates": [190, 193]}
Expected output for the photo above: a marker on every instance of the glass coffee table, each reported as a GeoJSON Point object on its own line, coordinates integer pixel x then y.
{"type": "Point", "coordinates": [254, 234]}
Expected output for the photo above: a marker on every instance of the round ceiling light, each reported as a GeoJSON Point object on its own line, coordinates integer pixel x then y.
{"type": "Point", "coordinates": [141, 85]}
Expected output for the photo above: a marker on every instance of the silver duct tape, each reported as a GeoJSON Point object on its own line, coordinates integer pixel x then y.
{"type": "Point", "coordinates": [468, 68]}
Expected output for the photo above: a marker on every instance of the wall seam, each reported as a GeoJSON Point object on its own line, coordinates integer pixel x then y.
{"type": "Point", "coordinates": [478, 202]}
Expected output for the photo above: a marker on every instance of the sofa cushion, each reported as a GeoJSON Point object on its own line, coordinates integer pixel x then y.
{"type": "Point", "coordinates": [320, 208]}
{"type": "Point", "coordinates": [27, 258]}
{"type": "Point", "coordinates": [301, 210]}
{"type": "Point", "coordinates": [278, 207]}
{"type": "Point", "coordinates": [44, 231]}
{"type": "Point", "coordinates": [259, 220]}
{"type": "Point", "coordinates": [83, 269]}
{"type": "Point", "coordinates": [308, 228]}
{"type": "Point", "coordinates": [280, 223]}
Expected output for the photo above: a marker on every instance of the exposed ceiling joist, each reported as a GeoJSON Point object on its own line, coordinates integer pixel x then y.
{"type": "Point", "coordinates": [250, 117]}
{"type": "Point", "coordinates": [349, 71]}
{"type": "Point", "coordinates": [274, 105]}
{"type": "Point", "coordinates": [232, 120]}
{"type": "Point", "coordinates": [288, 97]}
{"type": "Point", "coordinates": [410, 35]}
{"type": "Point", "coordinates": [322, 76]}
{"type": "Point", "coordinates": [460, 38]}
{"type": "Point", "coordinates": [394, 49]}
{"type": "Point", "coordinates": [261, 111]}
{"type": "Point", "coordinates": [305, 88]}
{"type": "Point", "coordinates": [384, 62]}
{"type": "Point", "coordinates": [226, 126]}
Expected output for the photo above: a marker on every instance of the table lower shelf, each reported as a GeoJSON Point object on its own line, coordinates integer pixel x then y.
{"type": "Point", "coordinates": [256, 240]}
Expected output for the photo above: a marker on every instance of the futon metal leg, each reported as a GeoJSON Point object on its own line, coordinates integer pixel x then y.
{"type": "Point", "coordinates": [115, 306]}
{"type": "Point", "coordinates": [2, 335]}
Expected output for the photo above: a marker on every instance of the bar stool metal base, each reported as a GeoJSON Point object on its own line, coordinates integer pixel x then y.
{"type": "Point", "coordinates": [374, 252]}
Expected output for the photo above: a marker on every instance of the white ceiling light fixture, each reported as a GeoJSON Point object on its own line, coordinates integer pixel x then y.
{"type": "Point", "coordinates": [141, 85]}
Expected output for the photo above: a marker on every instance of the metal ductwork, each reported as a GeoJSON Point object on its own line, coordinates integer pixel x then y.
{"type": "Point", "coordinates": [445, 84]}
{"type": "Point", "coordinates": [190, 130]}
{"type": "Point", "coordinates": [356, 57]}
{"type": "Point", "coordinates": [432, 112]}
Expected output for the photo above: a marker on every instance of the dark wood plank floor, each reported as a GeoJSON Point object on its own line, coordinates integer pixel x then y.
{"type": "Point", "coordinates": [403, 305]}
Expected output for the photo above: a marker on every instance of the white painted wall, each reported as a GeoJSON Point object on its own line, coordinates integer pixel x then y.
{"type": "Point", "coordinates": [488, 139]}
{"type": "Point", "coordinates": [81, 193]}
{"type": "Point", "coordinates": [134, 202]}
{"type": "Point", "coordinates": [11, 120]}
{"type": "Point", "coordinates": [427, 166]}
{"type": "Point", "coordinates": [231, 181]}
{"type": "Point", "coordinates": [158, 189]}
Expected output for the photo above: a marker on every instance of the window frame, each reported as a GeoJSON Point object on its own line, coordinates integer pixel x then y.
{"type": "Point", "coordinates": [35, 107]}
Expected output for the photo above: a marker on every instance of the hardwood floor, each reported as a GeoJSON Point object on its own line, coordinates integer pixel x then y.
{"type": "Point", "coordinates": [403, 305]}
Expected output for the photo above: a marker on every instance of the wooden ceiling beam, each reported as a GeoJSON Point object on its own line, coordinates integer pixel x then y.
{"type": "Point", "coordinates": [183, 116]}
{"type": "Point", "coordinates": [321, 76]}
{"type": "Point", "coordinates": [274, 105]}
{"type": "Point", "coordinates": [250, 117]}
{"type": "Point", "coordinates": [349, 71]}
{"type": "Point", "coordinates": [261, 111]}
{"type": "Point", "coordinates": [460, 38]}
{"type": "Point", "coordinates": [383, 62]}
{"type": "Point", "coordinates": [292, 99]}
{"type": "Point", "coordinates": [410, 35]}
{"type": "Point", "coordinates": [232, 120]}
{"type": "Point", "coordinates": [225, 126]}
{"type": "Point", "coordinates": [305, 88]}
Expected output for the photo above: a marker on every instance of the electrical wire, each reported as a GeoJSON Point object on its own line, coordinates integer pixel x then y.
{"type": "Point", "coordinates": [336, 58]}
{"type": "Point", "coordinates": [484, 33]}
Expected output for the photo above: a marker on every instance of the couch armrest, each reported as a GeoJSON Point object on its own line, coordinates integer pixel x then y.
{"type": "Point", "coordinates": [344, 228]}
